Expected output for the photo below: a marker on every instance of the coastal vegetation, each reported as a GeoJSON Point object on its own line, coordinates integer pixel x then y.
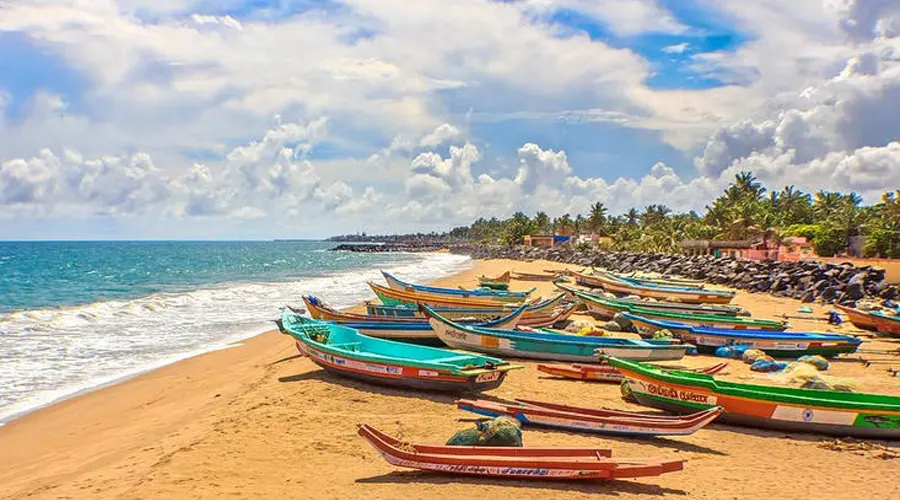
{"type": "Point", "coordinates": [746, 210]}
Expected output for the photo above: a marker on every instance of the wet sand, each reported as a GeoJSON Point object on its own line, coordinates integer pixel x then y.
{"type": "Point", "coordinates": [258, 421]}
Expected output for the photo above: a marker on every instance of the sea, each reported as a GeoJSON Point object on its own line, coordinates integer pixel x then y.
{"type": "Point", "coordinates": [75, 316]}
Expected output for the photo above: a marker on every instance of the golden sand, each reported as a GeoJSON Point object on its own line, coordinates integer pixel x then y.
{"type": "Point", "coordinates": [258, 421]}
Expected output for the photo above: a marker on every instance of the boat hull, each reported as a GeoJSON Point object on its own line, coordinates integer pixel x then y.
{"type": "Point", "coordinates": [795, 410]}
{"type": "Point", "coordinates": [547, 347]}
{"type": "Point", "coordinates": [673, 294]}
{"type": "Point", "coordinates": [394, 375]}
{"type": "Point", "coordinates": [768, 342]}
{"type": "Point", "coordinates": [860, 319]}
{"type": "Point", "coordinates": [585, 420]}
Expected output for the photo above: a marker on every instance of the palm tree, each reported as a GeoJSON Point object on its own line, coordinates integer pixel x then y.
{"type": "Point", "coordinates": [597, 217]}
{"type": "Point", "coordinates": [632, 217]}
{"type": "Point", "coordinates": [542, 222]}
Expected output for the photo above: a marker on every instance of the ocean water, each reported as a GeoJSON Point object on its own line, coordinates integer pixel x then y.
{"type": "Point", "coordinates": [78, 315]}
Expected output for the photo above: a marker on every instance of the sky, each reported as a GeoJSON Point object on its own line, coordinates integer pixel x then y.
{"type": "Point", "coordinates": [256, 119]}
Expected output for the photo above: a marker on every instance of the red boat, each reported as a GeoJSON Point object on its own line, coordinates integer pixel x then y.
{"type": "Point", "coordinates": [607, 373]}
{"type": "Point", "coordinates": [601, 421]}
{"type": "Point", "coordinates": [517, 463]}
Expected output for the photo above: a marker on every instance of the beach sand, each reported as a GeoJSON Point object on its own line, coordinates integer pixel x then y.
{"type": "Point", "coordinates": [258, 421]}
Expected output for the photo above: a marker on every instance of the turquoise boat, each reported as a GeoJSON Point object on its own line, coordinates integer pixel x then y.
{"type": "Point", "coordinates": [348, 353]}
{"type": "Point", "coordinates": [484, 293]}
{"type": "Point", "coordinates": [773, 343]}
{"type": "Point", "coordinates": [549, 346]}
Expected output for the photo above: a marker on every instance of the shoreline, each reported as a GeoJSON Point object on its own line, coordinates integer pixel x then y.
{"type": "Point", "coordinates": [257, 420]}
{"type": "Point", "coordinates": [227, 342]}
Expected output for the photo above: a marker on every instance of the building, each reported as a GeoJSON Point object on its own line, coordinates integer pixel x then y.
{"type": "Point", "coordinates": [790, 249]}
{"type": "Point", "coordinates": [545, 240]}
{"type": "Point", "coordinates": [717, 248]}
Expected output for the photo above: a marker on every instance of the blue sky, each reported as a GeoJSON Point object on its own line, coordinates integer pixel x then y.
{"type": "Point", "coordinates": [263, 110]}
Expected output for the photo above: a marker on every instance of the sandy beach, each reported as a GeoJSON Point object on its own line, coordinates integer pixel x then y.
{"type": "Point", "coordinates": [258, 421]}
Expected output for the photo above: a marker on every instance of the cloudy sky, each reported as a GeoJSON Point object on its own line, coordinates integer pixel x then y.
{"type": "Point", "coordinates": [304, 118]}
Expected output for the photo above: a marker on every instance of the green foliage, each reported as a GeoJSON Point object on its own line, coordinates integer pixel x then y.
{"type": "Point", "coordinates": [745, 210]}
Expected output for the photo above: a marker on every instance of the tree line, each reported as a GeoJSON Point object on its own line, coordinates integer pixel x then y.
{"type": "Point", "coordinates": [745, 210]}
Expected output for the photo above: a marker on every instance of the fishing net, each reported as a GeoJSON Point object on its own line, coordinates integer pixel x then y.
{"type": "Point", "coordinates": [578, 326]}
{"type": "Point", "coordinates": [751, 355]}
{"type": "Point", "coordinates": [663, 334]}
{"type": "Point", "coordinates": [500, 431]}
{"type": "Point", "coordinates": [612, 326]}
{"type": "Point", "coordinates": [819, 362]}
{"type": "Point", "coordinates": [807, 376]}
{"type": "Point", "coordinates": [762, 365]}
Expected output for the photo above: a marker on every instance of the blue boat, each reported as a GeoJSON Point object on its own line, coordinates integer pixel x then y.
{"type": "Point", "coordinates": [498, 295]}
{"type": "Point", "coordinates": [773, 343]}
{"type": "Point", "coordinates": [549, 346]}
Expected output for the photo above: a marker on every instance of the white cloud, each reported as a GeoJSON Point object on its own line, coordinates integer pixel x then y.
{"type": "Point", "coordinates": [679, 48]}
{"type": "Point", "coordinates": [439, 135]}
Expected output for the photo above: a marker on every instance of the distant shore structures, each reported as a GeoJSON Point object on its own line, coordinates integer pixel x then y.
{"type": "Point", "coordinates": [790, 249]}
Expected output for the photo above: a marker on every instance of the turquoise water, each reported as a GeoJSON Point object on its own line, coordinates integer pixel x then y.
{"type": "Point", "coordinates": [75, 315]}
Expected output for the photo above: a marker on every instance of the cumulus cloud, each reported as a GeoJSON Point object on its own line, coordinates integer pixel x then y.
{"type": "Point", "coordinates": [677, 48]}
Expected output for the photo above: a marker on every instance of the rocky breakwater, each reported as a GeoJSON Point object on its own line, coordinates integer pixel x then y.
{"type": "Point", "coordinates": [388, 247]}
{"type": "Point", "coordinates": [808, 281]}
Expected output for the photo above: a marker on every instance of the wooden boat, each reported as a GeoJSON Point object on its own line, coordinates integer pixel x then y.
{"type": "Point", "coordinates": [878, 321]}
{"type": "Point", "coordinates": [655, 281]}
{"type": "Point", "coordinates": [404, 329]}
{"type": "Point", "coordinates": [606, 308]}
{"type": "Point", "coordinates": [561, 314]}
{"type": "Point", "coordinates": [608, 373]}
{"type": "Point", "coordinates": [346, 352]}
{"type": "Point", "coordinates": [548, 346]}
{"type": "Point", "coordinates": [859, 318]}
{"type": "Point", "coordinates": [777, 344]}
{"type": "Point", "coordinates": [496, 282]}
{"type": "Point", "coordinates": [601, 421]}
{"type": "Point", "coordinates": [496, 295]}
{"type": "Point", "coordinates": [686, 295]}
{"type": "Point", "coordinates": [543, 308]}
{"type": "Point", "coordinates": [536, 276]}
{"type": "Point", "coordinates": [711, 320]}
{"type": "Point", "coordinates": [512, 462]}
{"type": "Point", "coordinates": [861, 415]}
{"type": "Point", "coordinates": [390, 296]}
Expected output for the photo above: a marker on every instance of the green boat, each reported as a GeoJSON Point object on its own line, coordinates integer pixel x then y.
{"type": "Point", "coordinates": [348, 353]}
{"type": "Point", "coordinates": [607, 308]}
{"type": "Point", "coordinates": [710, 320]}
{"type": "Point", "coordinates": [836, 413]}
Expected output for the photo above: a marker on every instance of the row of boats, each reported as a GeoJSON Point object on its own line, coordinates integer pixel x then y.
{"type": "Point", "coordinates": [385, 346]}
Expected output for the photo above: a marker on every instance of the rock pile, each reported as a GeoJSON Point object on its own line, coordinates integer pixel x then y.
{"type": "Point", "coordinates": [808, 281]}
{"type": "Point", "coordinates": [389, 247]}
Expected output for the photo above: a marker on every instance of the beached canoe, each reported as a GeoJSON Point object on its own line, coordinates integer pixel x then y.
{"type": "Point", "coordinates": [676, 294]}
{"type": "Point", "coordinates": [548, 346]}
{"type": "Point", "coordinates": [878, 321]}
{"type": "Point", "coordinates": [537, 309]}
{"type": "Point", "coordinates": [711, 320]}
{"type": "Point", "coordinates": [495, 282]}
{"type": "Point", "coordinates": [403, 329]}
{"type": "Point", "coordinates": [861, 415]}
{"type": "Point", "coordinates": [600, 421]}
{"type": "Point", "coordinates": [496, 295]}
{"type": "Point", "coordinates": [346, 352]}
{"type": "Point", "coordinates": [654, 281]}
{"type": "Point", "coordinates": [517, 463]}
{"type": "Point", "coordinates": [776, 344]}
{"type": "Point", "coordinates": [607, 308]}
{"type": "Point", "coordinates": [536, 276]}
{"type": "Point", "coordinates": [391, 296]}
{"type": "Point", "coordinates": [608, 373]}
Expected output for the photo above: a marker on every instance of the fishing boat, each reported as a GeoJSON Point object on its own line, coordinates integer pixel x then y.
{"type": "Point", "coordinates": [403, 329]}
{"type": "Point", "coordinates": [548, 346]}
{"type": "Point", "coordinates": [519, 276]}
{"type": "Point", "coordinates": [496, 295]}
{"type": "Point", "coordinates": [390, 296]}
{"type": "Point", "coordinates": [776, 344]}
{"type": "Point", "coordinates": [608, 373]}
{"type": "Point", "coordinates": [542, 308]}
{"type": "Point", "coordinates": [860, 415]}
{"type": "Point", "coordinates": [513, 462]}
{"type": "Point", "coordinates": [607, 308]}
{"type": "Point", "coordinates": [495, 282]}
{"type": "Point", "coordinates": [671, 293]}
{"type": "Point", "coordinates": [601, 421]}
{"type": "Point", "coordinates": [655, 281]}
{"type": "Point", "coordinates": [879, 321]}
{"type": "Point", "coordinates": [346, 352]}
{"type": "Point", "coordinates": [711, 320]}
